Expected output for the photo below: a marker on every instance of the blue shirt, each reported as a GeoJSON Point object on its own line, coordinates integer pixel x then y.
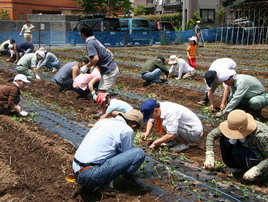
{"type": "Point", "coordinates": [106, 61]}
{"type": "Point", "coordinates": [23, 46]}
{"type": "Point", "coordinates": [65, 72]}
{"type": "Point", "coordinates": [106, 139]}
{"type": "Point", "coordinates": [118, 105]}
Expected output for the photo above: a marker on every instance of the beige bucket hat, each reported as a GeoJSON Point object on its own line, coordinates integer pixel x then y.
{"type": "Point", "coordinates": [134, 115]}
{"type": "Point", "coordinates": [173, 59]}
{"type": "Point", "coordinates": [239, 124]}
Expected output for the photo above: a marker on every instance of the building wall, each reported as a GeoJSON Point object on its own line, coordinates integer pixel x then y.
{"type": "Point", "coordinates": [19, 9]}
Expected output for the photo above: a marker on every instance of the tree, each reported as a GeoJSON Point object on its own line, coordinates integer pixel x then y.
{"type": "Point", "coordinates": [220, 15]}
{"type": "Point", "coordinates": [110, 7]}
{"type": "Point", "coordinates": [140, 10]}
{"type": "Point", "coordinates": [3, 14]}
{"type": "Point", "coordinates": [192, 22]}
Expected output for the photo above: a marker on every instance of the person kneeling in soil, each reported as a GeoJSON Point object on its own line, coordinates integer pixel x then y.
{"type": "Point", "coordinates": [27, 64]}
{"type": "Point", "coordinates": [179, 123]}
{"type": "Point", "coordinates": [214, 77]}
{"type": "Point", "coordinates": [152, 69]}
{"type": "Point", "coordinates": [111, 107]}
{"type": "Point", "coordinates": [247, 93]}
{"type": "Point", "coordinates": [68, 72]}
{"type": "Point", "coordinates": [243, 144]}
{"type": "Point", "coordinates": [10, 95]}
{"type": "Point", "coordinates": [50, 61]}
{"type": "Point", "coordinates": [179, 65]}
{"type": "Point", "coordinates": [107, 151]}
{"type": "Point", "coordinates": [85, 82]}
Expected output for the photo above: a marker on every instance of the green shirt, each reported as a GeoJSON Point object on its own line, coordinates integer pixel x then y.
{"type": "Point", "coordinates": [244, 87]}
{"type": "Point", "coordinates": [257, 142]}
{"type": "Point", "coordinates": [151, 65]}
{"type": "Point", "coordinates": [28, 60]}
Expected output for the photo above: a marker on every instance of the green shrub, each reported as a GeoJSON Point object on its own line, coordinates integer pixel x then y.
{"type": "Point", "coordinates": [174, 18]}
{"type": "Point", "coordinates": [4, 14]}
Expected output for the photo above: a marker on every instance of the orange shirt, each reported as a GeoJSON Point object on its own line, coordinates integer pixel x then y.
{"type": "Point", "coordinates": [192, 49]}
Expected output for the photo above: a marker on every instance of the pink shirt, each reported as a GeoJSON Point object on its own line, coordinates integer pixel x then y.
{"type": "Point", "coordinates": [82, 80]}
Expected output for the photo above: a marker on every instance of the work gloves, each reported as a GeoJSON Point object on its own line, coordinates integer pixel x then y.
{"type": "Point", "coordinates": [209, 162]}
{"type": "Point", "coordinates": [219, 114]}
{"type": "Point", "coordinates": [37, 76]}
{"type": "Point", "coordinates": [23, 113]}
{"type": "Point", "coordinates": [94, 95]}
{"type": "Point", "coordinates": [252, 174]}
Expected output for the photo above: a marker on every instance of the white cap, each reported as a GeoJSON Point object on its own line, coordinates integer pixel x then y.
{"type": "Point", "coordinates": [173, 60]}
{"type": "Point", "coordinates": [10, 46]}
{"type": "Point", "coordinates": [198, 21]}
{"type": "Point", "coordinates": [21, 77]}
{"type": "Point", "coordinates": [193, 38]}
{"type": "Point", "coordinates": [41, 53]}
{"type": "Point", "coordinates": [225, 75]}
{"type": "Point", "coordinates": [84, 69]}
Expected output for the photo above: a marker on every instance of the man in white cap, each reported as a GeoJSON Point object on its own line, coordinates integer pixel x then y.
{"type": "Point", "coordinates": [107, 151]}
{"type": "Point", "coordinates": [197, 30]}
{"type": "Point", "coordinates": [244, 145]}
{"type": "Point", "coordinates": [10, 95]}
{"type": "Point", "coordinates": [214, 77]}
{"type": "Point", "coordinates": [182, 67]}
{"type": "Point", "coordinates": [27, 64]}
{"type": "Point", "coordinates": [177, 122]}
{"type": "Point", "coordinates": [247, 92]}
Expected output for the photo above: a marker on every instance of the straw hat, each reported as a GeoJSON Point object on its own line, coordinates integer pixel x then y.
{"type": "Point", "coordinates": [134, 115]}
{"type": "Point", "coordinates": [173, 59]}
{"type": "Point", "coordinates": [239, 124]}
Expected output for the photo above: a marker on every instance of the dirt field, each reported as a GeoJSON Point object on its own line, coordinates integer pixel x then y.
{"type": "Point", "coordinates": [34, 162]}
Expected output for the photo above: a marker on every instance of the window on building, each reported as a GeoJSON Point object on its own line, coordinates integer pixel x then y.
{"type": "Point", "coordinates": [207, 15]}
{"type": "Point", "coordinates": [22, 16]}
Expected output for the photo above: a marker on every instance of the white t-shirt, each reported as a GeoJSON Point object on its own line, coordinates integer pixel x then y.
{"type": "Point", "coordinates": [181, 67]}
{"type": "Point", "coordinates": [175, 116]}
{"type": "Point", "coordinates": [221, 65]}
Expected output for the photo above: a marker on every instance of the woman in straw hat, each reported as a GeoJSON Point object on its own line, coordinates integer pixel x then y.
{"type": "Point", "coordinates": [244, 145]}
{"type": "Point", "coordinates": [181, 66]}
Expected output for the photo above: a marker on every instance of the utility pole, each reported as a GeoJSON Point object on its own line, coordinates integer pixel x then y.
{"type": "Point", "coordinates": [108, 8]}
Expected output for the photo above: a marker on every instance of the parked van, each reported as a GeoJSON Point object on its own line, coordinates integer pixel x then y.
{"type": "Point", "coordinates": [101, 24]}
{"type": "Point", "coordinates": [243, 23]}
{"type": "Point", "coordinates": [162, 26]}
{"type": "Point", "coordinates": [138, 29]}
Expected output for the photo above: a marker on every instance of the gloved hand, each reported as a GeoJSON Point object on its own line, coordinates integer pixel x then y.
{"type": "Point", "coordinates": [84, 69]}
{"type": "Point", "coordinates": [252, 174]}
{"type": "Point", "coordinates": [23, 113]}
{"type": "Point", "coordinates": [209, 162]}
{"type": "Point", "coordinates": [94, 95]}
{"type": "Point", "coordinates": [219, 114]}
{"type": "Point", "coordinates": [37, 76]}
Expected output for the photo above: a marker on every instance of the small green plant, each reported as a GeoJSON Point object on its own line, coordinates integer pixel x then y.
{"type": "Point", "coordinates": [219, 165]}
{"type": "Point", "coordinates": [18, 119]}
{"type": "Point", "coordinates": [143, 167]}
{"type": "Point", "coordinates": [32, 116]}
{"type": "Point", "coordinates": [182, 157]}
{"type": "Point", "coordinates": [151, 95]}
{"type": "Point", "coordinates": [4, 14]}
{"type": "Point", "coordinates": [215, 184]}
{"type": "Point", "coordinates": [137, 138]}
{"type": "Point", "coordinates": [120, 86]}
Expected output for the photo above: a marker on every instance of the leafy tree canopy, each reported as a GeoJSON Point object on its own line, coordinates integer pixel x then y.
{"type": "Point", "coordinates": [112, 7]}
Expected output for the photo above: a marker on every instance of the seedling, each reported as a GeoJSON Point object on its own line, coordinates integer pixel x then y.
{"type": "Point", "coordinates": [151, 95]}
{"type": "Point", "coordinates": [143, 167]}
{"type": "Point", "coordinates": [215, 184]}
{"type": "Point", "coordinates": [18, 119]}
{"type": "Point", "coordinates": [119, 86]}
{"type": "Point", "coordinates": [219, 165]}
{"type": "Point", "coordinates": [32, 116]}
{"type": "Point", "coordinates": [182, 157]}
{"type": "Point", "coordinates": [137, 138]}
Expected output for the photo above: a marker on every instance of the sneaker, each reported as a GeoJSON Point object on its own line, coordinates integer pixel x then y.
{"type": "Point", "coordinates": [169, 144]}
{"type": "Point", "coordinates": [179, 148]}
